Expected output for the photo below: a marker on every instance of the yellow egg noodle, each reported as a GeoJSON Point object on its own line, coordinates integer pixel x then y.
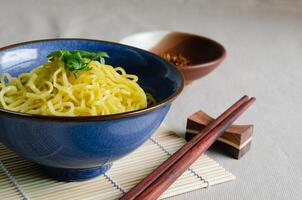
{"type": "Point", "coordinates": [50, 89]}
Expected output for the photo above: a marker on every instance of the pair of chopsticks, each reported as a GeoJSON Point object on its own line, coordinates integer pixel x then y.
{"type": "Point", "coordinates": [158, 181]}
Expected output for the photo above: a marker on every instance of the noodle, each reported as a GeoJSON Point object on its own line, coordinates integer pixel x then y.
{"type": "Point", "coordinates": [50, 89]}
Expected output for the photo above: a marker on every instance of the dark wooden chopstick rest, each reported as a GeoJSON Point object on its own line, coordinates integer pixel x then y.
{"type": "Point", "coordinates": [236, 140]}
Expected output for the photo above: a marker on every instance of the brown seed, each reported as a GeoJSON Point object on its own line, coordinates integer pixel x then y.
{"type": "Point", "coordinates": [178, 60]}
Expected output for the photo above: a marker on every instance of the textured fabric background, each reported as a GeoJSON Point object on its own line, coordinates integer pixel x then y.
{"type": "Point", "coordinates": [264, 43]}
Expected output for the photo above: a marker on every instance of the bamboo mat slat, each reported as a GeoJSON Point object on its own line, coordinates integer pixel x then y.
{"type": "Point", "coordinates": [21, 179]}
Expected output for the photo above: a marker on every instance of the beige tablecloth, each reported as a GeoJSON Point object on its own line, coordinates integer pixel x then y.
{"type": "Point", "coordinates": [264, 43]}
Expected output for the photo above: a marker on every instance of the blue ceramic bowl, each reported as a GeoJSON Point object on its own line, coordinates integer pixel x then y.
{"type": "Point", "coordinates": [80, 148]}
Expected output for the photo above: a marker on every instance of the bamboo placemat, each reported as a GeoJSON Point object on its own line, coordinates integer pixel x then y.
{"type": "Point", "coordinates": [21, 179]}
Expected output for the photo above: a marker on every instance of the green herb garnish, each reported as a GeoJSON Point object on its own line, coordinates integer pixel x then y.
{"type": "Point", "coordinates": [76, 61]}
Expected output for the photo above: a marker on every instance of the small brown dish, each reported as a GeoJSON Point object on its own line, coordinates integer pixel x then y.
{"type": "Point", "coordinates": [204, 54]}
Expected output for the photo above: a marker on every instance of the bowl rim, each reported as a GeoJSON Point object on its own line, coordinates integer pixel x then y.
{"type": "Point", "coordinates": [98, 117]}
{"type": "Point", "coordinates": [219, 59]}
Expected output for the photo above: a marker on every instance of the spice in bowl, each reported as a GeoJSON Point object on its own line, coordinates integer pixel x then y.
{"type": "Point", "coordinates": [177, 59]}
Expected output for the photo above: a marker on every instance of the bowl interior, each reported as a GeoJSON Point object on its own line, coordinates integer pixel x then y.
{"type": "Point", "coordinates": [197, 49]}
{"type": "Point", "coordinates": [156, 76]}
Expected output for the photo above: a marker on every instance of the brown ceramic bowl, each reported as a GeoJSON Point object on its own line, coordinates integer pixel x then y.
{"type": "Point", "coordinates": [204, 54]}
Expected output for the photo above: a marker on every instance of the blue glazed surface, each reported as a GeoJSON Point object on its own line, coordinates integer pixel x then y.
{"type": "Point", "coordinates": [82, 149]}
{"type": "Point", "coordinates": [76, 174]}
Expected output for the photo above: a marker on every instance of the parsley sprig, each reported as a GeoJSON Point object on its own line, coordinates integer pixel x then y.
{"type": "Point", "coordinates": [76, 61]}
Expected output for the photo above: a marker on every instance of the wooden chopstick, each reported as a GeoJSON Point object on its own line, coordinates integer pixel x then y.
{"type": "Point", "coordinates": [161, 184]}
{"type": "Point", "coordinates": [156, 174]}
